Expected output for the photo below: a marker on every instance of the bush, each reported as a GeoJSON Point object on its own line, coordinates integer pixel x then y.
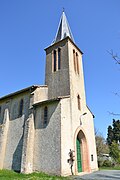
{"type": "Point", "coordinates": [115, 152]}
{"type": "Point", "coordinates": [107, 163]}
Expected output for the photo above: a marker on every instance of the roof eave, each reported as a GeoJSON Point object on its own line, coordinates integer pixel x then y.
{"type": "Point", "coordinates": [91, 112]}
{"type": "Point", "coordinates": [50, 100]}
{"type": "Point", "coordinates": [21, 91]}
{"type": "Point", "coordinates": [66, 38]}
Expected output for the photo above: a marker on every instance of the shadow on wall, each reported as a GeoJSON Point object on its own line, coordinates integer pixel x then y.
{"type": "Point", "coordinates": [42, 117]}
{"type": "Point", "coordinates": [17, 156]}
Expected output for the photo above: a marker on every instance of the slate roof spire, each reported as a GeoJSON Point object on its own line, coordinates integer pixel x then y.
{"type": "Point", "coordinates": [63, 29]}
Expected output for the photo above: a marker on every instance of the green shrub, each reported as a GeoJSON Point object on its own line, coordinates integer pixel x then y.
{"type": "Point", "coordinates": [107, 163]}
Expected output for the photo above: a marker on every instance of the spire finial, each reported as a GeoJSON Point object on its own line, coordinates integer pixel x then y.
{"type": "Point", "coordinates": [63, 9]}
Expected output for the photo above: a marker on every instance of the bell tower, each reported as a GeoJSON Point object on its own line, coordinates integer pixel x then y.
{"type": "Point", "coordinates": [64, 72]}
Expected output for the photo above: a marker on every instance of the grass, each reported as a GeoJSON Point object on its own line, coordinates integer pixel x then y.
{"type": "Point", "coordinates": [7, 174]}
{"type": "Point", "coordinates": [11, 175]}
{"type": "Point", "coordinates": [110, 168]}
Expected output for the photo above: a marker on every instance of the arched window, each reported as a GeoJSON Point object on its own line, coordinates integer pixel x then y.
{"type": "Point", "coordinates": [54, 64]}
{"type": "Point", "coordinates": [74, 60]}
{"type": "Point", "coordinates": [45, 115]}
{"type": "Point", "coordinates": [77, 63]}
{"type": "Point", "coordinates": [78, 101]}
{"type": "Point", "coordinates": [59, 58]}
{"type": "Point", "coordinates": [21, 107]}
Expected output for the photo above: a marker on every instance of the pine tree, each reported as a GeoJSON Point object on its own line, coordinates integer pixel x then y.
{"type": "Point", "coordinates": [110, 135]}
{"type": "Point", "coordinates": [113, 140]}
{"type": "Point", "coordinates": [114, 132]}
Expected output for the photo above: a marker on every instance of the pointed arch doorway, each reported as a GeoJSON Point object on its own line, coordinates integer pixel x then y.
{"type": "Point", "coordinates": [82, 160]}
{"type": "Point", "coordinates": [79, 158]}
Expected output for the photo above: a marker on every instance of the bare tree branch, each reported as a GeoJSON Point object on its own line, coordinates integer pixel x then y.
{"type": "Point", "coordinates": [117, 60]}
{"type": "Point", "coordinates": [114, 114]}
{"type": "Point", "coordinates": [116, 94]}
{"type": "Point", "coordinates": [114, 56]}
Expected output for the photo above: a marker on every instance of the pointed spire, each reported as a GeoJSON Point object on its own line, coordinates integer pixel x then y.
{"type": "Point", "coordinates": [63, 29]}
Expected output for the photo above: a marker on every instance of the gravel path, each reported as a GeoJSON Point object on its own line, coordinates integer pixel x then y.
{"type": "Point", "coordinates": [100, 175]}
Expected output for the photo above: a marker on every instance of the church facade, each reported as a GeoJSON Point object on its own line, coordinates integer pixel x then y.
{"type": "Point", "coordinates": [40, 124]}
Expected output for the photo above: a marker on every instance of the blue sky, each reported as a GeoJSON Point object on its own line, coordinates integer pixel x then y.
{"type": "Point", "coordinates": [28, 26]}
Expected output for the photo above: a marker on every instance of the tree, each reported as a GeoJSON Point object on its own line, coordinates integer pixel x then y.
{"type": "Point", "coordinates": [110, 135]}
{"type": "Point", "coordinates": [113, 132]}
{"type": "Point", "coordinates": [101, 145]}
{"type": "Point", "coordinates": [116, 130]}
{"type": "Point", "coordinates": [115, 152]}
{"type": "Point", "coordinates": [113, 140]}
{"type": "Point", "coordinates": [116, 58]}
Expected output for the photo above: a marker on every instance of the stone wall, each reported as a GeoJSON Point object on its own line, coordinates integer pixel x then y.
{"type": "Point", "coordinates": [58, 81]}
{"type": "Point", "coordinates": [14, 137]}
{"type": "Point", "coordinates": [47, 144]}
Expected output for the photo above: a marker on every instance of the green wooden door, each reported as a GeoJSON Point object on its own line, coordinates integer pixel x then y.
{"type": "Point", "coordinates": [79, 159]}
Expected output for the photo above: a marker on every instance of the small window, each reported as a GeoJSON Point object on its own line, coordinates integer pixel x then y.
{"type": "Point", "coordinates": [45, 115]}
{"type": "Point", "coordinates": [74, 60]}
{"type": "Point", "coordinates": [54, 64]}
{"type": "Point", "coordinates": [92, 159]}
{"type": "Point", "coordinates": [59, 58]}
{"type": "Point", "coordinates": [77, 63]}
{"type": "Point", "coordinates": [21, 108]}
{"type": "Point", "coordinates": [78, 100]}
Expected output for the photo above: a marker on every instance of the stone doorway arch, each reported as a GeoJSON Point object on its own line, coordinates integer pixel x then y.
{"type": "Point", "coordinates": [81, 153]}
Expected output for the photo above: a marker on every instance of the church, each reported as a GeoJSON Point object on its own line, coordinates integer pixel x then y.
{"type": "Point", "coordinates": [41, 124]}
